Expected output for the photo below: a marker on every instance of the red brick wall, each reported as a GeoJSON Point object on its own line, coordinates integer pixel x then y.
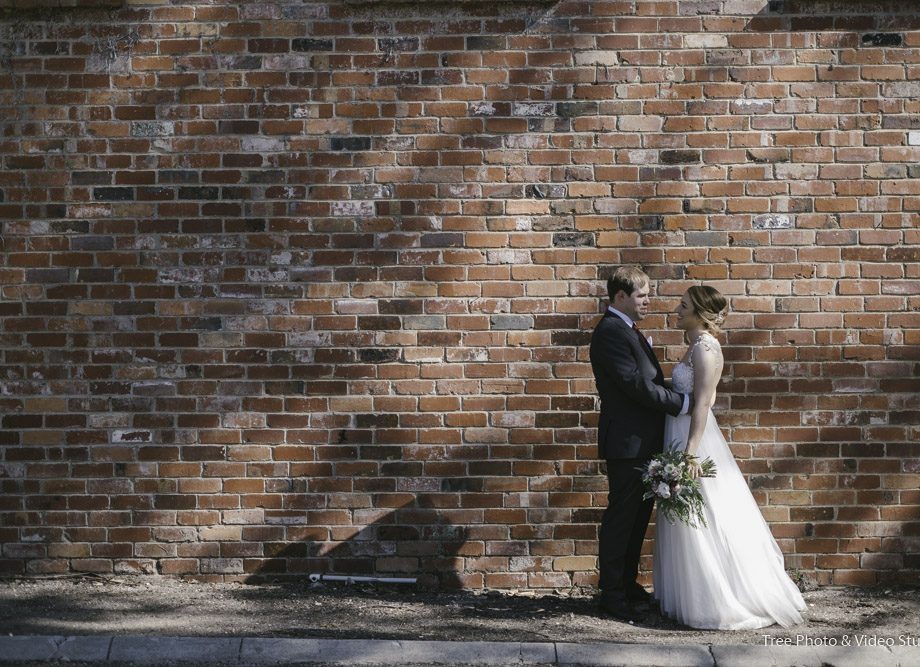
{"type": "Point", "coordinates": [293, 287]}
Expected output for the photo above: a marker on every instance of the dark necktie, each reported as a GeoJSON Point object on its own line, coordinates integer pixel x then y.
{"type": "Point", "coordinates": [641, 337]}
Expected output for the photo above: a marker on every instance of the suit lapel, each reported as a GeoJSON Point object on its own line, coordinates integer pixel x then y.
{"type": "Point", "coordinates": [642, 343]}
{"type": "Point", "coordinates": [648, 350]}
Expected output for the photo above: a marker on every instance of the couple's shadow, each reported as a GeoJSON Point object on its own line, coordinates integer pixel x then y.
{"type": "Point", "coordinates": [407, 543]}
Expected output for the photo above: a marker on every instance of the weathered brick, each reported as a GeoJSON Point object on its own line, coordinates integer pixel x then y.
{"type": "Point", "coordinates": [332, 280]}
{"type": "Point", "coordinates": [680, 157]}
{"type": "Point", "coordinates": [882, 39]}
{"type": "Point", "coordinates": [773, 221]}
{"type": "Point", "coordinates": [351, 143]}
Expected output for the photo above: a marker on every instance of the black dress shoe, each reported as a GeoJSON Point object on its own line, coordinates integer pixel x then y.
{"type": "Point", "coordinates": [619, 608]}
{"type": "Point", "coordinates": [636, 594]}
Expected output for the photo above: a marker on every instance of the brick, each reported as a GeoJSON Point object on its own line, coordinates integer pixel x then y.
{"type": "Point", "coordinates": [341, 284]}
{"type": "Point", "coordinates": [882, 39]}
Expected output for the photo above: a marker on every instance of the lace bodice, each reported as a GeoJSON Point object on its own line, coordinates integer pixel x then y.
{"type": "Point", "coordinates": [682, 375]}
{"type": "Point", "coordinates": [682, 378]}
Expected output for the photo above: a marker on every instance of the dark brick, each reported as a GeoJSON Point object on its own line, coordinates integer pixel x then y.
{"type": "Point", "coordinates": [178, 176]}
{"type": "Point", "coordinates": [95, 275]}
{"type": "Point", "coordinates": [268, 45]}
{"type": "Point", "coordinates": [379, 323]}
{"type": "Point", "coordinates": [575, 109]}
{"type": "Point", "coordinates": [651, 223]}
{"type": "Point", "coordinates": [242, 62]}
{"type": "Point", "coordinates": [485, 43]}
{"type": "Point", "coordinates": [549, 124]}
{"type": "Point", "coordinates": [25, 162]}
{"type": "Point", "coordinates": [312, 45]}
{"type": "Point", "coordinates": [399, 306]}
{"type": "Point", "coordinates": [173, 502]}
{"type": "Point", "coordinates": [377, 421]}
{"type": "Point", "coordinates": [573, 239]}
{"type": "Point", "coordinates": [768, 155]}
{"type": "Point", "coordinates": [54, 210]}
{"type": "Point", "coordinates": [571, 338]}
{"type": "Point", "coordinates": [403, 44]}
{"type": "Point", "coordinates": [238, 127]}
{"type": "Point", "coordinates": [351, 143]}
{"type": "Point", "coordinates": [378, 355]}
{"type": "Point", "coordinates": [882, 39]}
{"type": "Point", "coordinates": [251, 160]}
{"type": "Point", "coordinates": [403, 78]}
{"type": "Point", "coordinates": [113, 194]}
{"type": "Point", "coordinates": [207, 193]}
{"type": "Point", "coordinates": [69, 226]}
{"type": "Point", "coordinates": [680, 156]}
{"type": "Point", "coordinates": [537, 191]}
{"type": "Point", "coordinates": [48, 275]}
{"type": "Point", "coordinates": [235, 193]}
{"type": "Point", "coordinates": [91, 177]}
{"type": "Point", "coordinates": [557, 419]}
{"type": "Point", "coordinates": [461, 484]}
{"type": "Point", "coordinates": [811, 23]}
{"type": "Point", "coordinates": [441, 77]}
{"type": "Point", "coordinates": [442, 240]}
{"type": "Point", "coordinates": [92, 243]}
{"type": "Point", "coordinates": [51, 48]}
{"type": "Point", "coordinates": [202, 323]}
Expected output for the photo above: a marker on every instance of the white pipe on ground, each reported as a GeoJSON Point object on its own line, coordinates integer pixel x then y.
{"type": "Point", "coordinates": [316, 577]}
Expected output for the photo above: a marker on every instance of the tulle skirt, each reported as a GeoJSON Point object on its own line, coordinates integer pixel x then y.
{"type": "Point", "coordinates": [728, 574]}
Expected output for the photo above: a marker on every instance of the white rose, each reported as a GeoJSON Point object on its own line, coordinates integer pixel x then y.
{"type": "Point", "coordinates": [663, 490]}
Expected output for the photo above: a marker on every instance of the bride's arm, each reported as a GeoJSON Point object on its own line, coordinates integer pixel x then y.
{"type": "Point", "coordinates": [707, 366]}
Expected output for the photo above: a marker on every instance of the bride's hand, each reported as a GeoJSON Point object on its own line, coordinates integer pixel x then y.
{"type": "Point", "coordinates": [695, 469]}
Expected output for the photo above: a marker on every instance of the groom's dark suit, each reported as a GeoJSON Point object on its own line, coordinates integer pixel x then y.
{"type": "Point", "coordinates": [630, 431]}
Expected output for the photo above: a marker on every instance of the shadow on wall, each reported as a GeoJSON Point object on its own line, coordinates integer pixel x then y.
{"type": "Point", "coordinates": [409, 542]}
{"type": "Point", "coordinates": [838, 15]}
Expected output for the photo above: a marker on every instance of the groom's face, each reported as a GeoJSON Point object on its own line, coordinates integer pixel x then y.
{"type": "Point", "coordinates": [634, 305]}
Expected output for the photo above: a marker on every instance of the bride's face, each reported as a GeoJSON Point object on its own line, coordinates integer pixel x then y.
{"type": "Point", "coordinates": [686, 316]}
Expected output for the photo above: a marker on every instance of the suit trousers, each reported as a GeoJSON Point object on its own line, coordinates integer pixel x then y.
{"type": "Point", "coordinates": [623, 525]}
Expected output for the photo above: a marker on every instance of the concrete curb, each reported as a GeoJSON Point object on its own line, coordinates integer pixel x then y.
{"type": "Point", "coordinates": [257, 651]}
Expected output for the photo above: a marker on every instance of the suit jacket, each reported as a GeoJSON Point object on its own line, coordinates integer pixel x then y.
{"type": "Point", "coordinates": [634, 399]}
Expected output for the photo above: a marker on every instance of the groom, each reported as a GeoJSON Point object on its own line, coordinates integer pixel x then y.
{"type": "Point", "coordinates": [630, 430]}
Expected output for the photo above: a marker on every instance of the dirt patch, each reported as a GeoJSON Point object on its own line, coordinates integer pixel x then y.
{"type": "Point", "coordinates": [156, 606]}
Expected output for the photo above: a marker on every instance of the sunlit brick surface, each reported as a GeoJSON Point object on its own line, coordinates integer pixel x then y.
{"type": "Point", "coordinates": [302, 287]}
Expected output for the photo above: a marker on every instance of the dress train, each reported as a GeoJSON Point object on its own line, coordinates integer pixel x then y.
{"type": "Point", "coordinates": [728, 574]}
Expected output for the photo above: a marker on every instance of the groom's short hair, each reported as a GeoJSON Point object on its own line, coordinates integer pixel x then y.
{"type": "Point", "coordinates": [626, 278]}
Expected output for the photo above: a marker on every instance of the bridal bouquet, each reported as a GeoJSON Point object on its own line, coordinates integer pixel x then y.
{"type": "Point", "coordinates": [667, 478]}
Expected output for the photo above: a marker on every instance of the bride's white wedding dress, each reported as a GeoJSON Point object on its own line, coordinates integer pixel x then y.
{"type": "Point", "coordinates": [728, 574]}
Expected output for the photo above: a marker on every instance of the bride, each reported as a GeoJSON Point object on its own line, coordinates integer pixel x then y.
{"type": "Point", "coordinates": [729, 573]}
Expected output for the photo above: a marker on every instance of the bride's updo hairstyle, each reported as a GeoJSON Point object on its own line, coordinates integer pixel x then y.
{"type": "Point", "coordinates": [709, 306]}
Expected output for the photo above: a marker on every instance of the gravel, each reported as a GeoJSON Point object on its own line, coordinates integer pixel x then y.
{"type": "Point", "coordinates": [157, 606]}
